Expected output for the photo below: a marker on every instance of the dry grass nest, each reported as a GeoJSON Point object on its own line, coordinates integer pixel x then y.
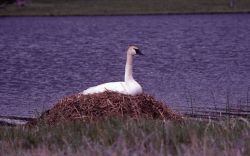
{"type": "Point", "coordinates": [105, 105]}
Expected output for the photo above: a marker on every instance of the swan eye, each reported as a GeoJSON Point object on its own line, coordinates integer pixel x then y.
{"type": "Point", "coordinates": [138, 52]}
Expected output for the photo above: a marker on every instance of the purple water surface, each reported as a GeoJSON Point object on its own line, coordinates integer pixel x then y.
{"type": "Point", "coordinates": [199, 60]}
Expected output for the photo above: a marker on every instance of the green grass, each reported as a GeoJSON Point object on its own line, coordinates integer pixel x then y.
{"type": "Point", "coordinates": [129, 137]}
{"type": "Point", "coordinates": [124, 7]}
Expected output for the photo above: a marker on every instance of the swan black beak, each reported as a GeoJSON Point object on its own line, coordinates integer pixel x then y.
{"type": "Point", "coordinates": [138, 52]}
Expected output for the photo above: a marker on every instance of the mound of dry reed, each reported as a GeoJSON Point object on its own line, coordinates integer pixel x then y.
{"type": "Point", "coordinates": [107, 104]}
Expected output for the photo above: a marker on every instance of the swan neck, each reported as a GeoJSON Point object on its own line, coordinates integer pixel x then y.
{"type": "Point", "coordinates": [129, 68]}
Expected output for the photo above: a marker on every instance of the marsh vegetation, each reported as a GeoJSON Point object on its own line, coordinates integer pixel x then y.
{"type": "Point", "coordinates": [116, 136]}
{"type": "Point", "coordinates": [121, 7]}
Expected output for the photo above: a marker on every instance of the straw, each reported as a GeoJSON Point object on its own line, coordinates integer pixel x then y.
{"type": "Point", "coordinates": [107, 104]}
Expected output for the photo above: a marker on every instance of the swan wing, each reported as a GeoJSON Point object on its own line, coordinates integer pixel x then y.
{"type": "Point", "coordinates": [119, 87]}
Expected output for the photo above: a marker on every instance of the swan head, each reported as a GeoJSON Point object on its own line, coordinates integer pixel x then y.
{"type": "Point", "coordinates": [133, 50]}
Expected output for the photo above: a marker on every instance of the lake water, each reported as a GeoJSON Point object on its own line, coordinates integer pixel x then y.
{"type": "Point", "coordinates": [191, 60]}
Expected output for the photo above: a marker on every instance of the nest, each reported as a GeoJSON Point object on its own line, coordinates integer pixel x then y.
{"type": "Point", "coordinates": [105, 105]}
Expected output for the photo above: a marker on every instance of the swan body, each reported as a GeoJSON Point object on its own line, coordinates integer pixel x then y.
{"type": "Point", "coordinates": [130, 86]}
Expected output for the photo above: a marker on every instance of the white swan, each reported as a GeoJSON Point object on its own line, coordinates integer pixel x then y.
{"type": "Point", "coordinates": [129, 86]}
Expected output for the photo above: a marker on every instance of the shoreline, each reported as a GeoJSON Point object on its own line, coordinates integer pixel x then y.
{"type": "Point", "coordinates": [117, 15]}
{"type": "Point", "coordinates": [124, 8]}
